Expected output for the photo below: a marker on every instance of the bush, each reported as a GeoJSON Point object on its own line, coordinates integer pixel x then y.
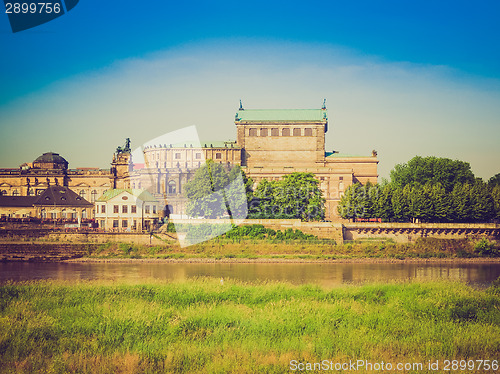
{"type": "Point", "coordinates": [485, 248]}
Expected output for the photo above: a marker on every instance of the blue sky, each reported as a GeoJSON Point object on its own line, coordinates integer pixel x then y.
{"type": "Point", "coordinates": [401, 77]}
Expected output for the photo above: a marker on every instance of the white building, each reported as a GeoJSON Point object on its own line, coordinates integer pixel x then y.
{"type": "Point", "coordinates": [127, 210]}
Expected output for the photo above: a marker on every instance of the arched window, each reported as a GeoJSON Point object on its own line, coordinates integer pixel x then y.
{"type": "Point", "coordinates": [31, 192]}
{"type": "Point", "coordinates": [171, 187]}
{"type": "Point", "coordinates": [82, 194]}
{"type": "Point", "coordinates": [93, 196]}
{"type": "Point", "coordinates": [263, 132]}
{"type": "Point", "coordinates": [275, 132]}
{"type": "Point", "coordinates": [297, 132]}
{"type": "Point", "coordinates": [43, 214]}
{"type": "Point", "coordinates": [15, 193]}
{"type": "Point", "coordinates": [3, 192]}
{"type": "Point", "coordinates": [285, 132]}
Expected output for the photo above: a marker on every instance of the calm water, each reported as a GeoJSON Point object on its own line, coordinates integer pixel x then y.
{"type": "Point", "coordinates": [327, 275]}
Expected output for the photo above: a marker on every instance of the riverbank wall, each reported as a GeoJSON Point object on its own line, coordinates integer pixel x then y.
{"type": "Point", "coordinates": [348, 231]}
{"type": "Point", "coordinates": [340, 232]}
{"type": "Point", "coordinates": [44, 252]}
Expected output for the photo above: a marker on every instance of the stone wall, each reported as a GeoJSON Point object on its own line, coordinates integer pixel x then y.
{"type": "Point", "coordinates": [340, 232]}
{"type": "Point", "coordinates": [43, 252]}
{"type": "Point", "coordinates": [92, 237]}
{"type": "Point", "coordinates": [408, 232]}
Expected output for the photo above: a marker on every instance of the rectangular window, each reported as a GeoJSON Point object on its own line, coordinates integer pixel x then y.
{"type": "Point", "coordinates": [308, 132]}
{"type": "Point", "coordinates": [341, 178]}
{"type": "Point", "coordinates": [133, 209]}
{"type": "Point", "coordinates": [297, 132]}
{"type": "Point", "coordinates": [275, 132]}
{"type": "Point", "coordinates": [177, 156]}
{"type": "Point", "coordinates": [252, 132]}
{"type": "Point", "coordinates": [198, 156]}
{"type": "Point", "coordinates": [285, 132]}
{"type": "Point", "coordinates": [154, 209]}
{"type": "Point", "coordinates": [124, 209]}
{"type": "Point", "coordinates": [124, 223]}
{"type": "Point", "coordinates": [102, 224]}
{"type": "Point", "coordinates": [115, 223]}
{"type": "Point", "coordinates": [115, 209]}
{"type": "Point", "coordinates": [218, 156]}
{"type": "Point", "coordinates": [147, 209]}
{"type": "Point", "coordinates": [103, 208]}
{"type": "Point", "coordinates": [263, 132]}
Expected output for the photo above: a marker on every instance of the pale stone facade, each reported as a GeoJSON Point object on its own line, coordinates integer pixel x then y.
{"type": "Point", "coordinates": [269, 144]}
{"type": "Point", "coordinates": [279, 142]}
{"type": "Point", "coordinates": [127, 210]}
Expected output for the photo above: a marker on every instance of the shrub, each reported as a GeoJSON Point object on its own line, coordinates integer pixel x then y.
{"type": "Point", "coordinates": [485, 248]}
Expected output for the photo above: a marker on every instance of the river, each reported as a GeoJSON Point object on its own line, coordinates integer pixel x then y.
{"type": "Point", "coordinates": [323, 274]}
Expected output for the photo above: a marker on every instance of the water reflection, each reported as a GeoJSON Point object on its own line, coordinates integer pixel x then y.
{"type": "Point", "coordinates": [326, 275]}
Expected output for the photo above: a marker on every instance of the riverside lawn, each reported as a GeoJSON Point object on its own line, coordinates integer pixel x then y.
{"type": "Point", "coordinates": [204, 326]}
{"type": "Point", "coordinates": [302, 249]}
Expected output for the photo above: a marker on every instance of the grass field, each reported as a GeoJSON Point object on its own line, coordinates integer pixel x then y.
{"type": "Point", "coordinates": [316, 249]}
{"type": "Point", "coordinates": [206, 326]}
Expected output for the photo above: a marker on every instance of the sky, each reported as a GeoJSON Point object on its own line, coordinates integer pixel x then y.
{"type": "Point", "coordinates": [403, 78]}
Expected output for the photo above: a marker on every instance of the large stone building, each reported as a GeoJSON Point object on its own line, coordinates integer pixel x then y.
{"type": "Point", "coordinates": [269, 144]}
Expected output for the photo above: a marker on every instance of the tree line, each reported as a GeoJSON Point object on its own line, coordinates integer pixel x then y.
{"type": "Point", "coordinates": [426, 189]}
{"type": "Point", "coordinates": [216, 191]}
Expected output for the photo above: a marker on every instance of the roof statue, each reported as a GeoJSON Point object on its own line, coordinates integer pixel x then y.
{"type": "Point", "coordinates": [324, 104]}
{"type": "Point", "coordinates": [125, 149]}
{"type": "Point", "coordinates": [241, 106]}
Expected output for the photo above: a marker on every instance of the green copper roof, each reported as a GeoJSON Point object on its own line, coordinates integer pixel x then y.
{"type": "Point", "coordinates": [282, 115]}
{"type": "Point", "coordinates": [340, 155]}
{"type": "Point", "coordinates": [139, 193]}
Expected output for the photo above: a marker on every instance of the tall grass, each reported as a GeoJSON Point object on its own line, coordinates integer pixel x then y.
{"type": "Point", "coordinates": [206, 326]}
{"type": "Point", "coordinates": [301, 249]}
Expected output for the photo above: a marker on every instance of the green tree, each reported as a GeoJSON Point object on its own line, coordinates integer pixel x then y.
{"type": "Point", "coordinates": [215, 191]}
{"type": "Point", "coordinates": [495, 195]}
{"type": "Point", "coordinates": [239, 193]}
{"type": "Point", "coordinates": [422, 170]}
{"type": "Point", "coordinates": [442, 204]}
{"type": "Point", "coordinates": [296, 195]}
{"type": "Point", "coordinates": [348, 205]}
{"type": "Point", "coordinates": [401, 203]}
{"type": "Point", "coordinates": [482, 203]}
{"type": "Point", "coordinates": [359, 201]}
{"type": "Point", "coordinates": [494, 180]}
{"type": "Point", "coordinates": [384, 207]}
{"type": "Point", "coordinates": [461, 202]}
{"type": "Point", "coordinates": [421, 206]}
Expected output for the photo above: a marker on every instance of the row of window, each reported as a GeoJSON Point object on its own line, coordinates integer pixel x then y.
{"type": "Point", "coordinates": [125, 224]}
{"type": "Point", "coordinates": [125, 209]}
{"type": "Point", "coordinates": [276, 132]}
{"type": "Point", "coordinates": [177, 156]}
{"type": "Point", "coordinates": [197, 156]}
{"type": "Point", "coordinates": [116, 224]}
